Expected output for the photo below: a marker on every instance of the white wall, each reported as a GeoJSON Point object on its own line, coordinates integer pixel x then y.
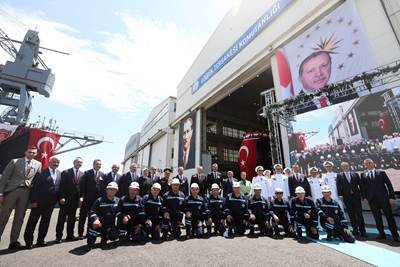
{"type": "Point", "coordinates": [159, 152]}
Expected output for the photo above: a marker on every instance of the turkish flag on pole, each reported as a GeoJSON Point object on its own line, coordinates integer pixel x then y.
{"type": "Point", "coordinates": [285, 77]}
{"type": "Point", "coordinates": [254, 151]}
{"type": "Point", "coordinates": [45, 142]}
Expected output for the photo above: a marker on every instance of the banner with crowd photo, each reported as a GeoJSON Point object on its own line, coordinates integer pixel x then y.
{"type": "Point", "coordinates": [254, 151]}
{"type": "Point", "coordinates": [331, 50]}
{"type": "Point", "coordinates": [366, 127]}
{"type": "Point", "coordinates": [187, 142]}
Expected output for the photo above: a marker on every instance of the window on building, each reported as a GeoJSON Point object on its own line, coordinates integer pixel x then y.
{"type": "Point", "coordinates": [212, 129]}
{"type": "Point", "coordinates": [232, 132]}
{"type": "Point", "coordinates": [230, 155]}
{"type": "Point", "coordinates": [212, 150]}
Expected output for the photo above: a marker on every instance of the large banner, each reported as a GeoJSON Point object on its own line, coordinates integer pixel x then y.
{"type": "Point", "coordinates": [333, 49]}
{"type": "Point", "coordinates": [187, 142]}
{"type": "Point", "coordinates": [6, 131]}
{"type": "Point", "coordinates": [366, 127]}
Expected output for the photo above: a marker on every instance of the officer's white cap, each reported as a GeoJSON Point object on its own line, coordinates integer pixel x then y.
{"type": "Point", "coordinates": [313, 169]}
{"type": "Point", "coordinates": [194, 185]}
{"type": "Point", "coordinates": [156, 186]}
{"type": "Point", "coordinates": [300, 190]}
{"type": "Point", "coordinates": [328, 163]}
{"type": "Point", "coordinates": [214, 186]}
{"type": "Point", "coordinates": [278, 190]}
{"type": "Point", "coordinates": [236, 184]}
{"type": "Point", "coordinates": [257, 186]}
{"type": "Point", "coordinates": [325, 188]}
{"type": "Point", "coordinates": [134, 185]}
{"type": "Point", "coordinates": [112, 185]}
{"type": "Point", "coordinates": [277, 165]}
{"type": "Point", "coordinates": [259, 168]}
{"type": "Point", "coordinates": [175, 181]}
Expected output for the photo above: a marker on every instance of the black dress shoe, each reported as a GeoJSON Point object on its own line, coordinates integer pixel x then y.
{"type": "Point", "coordinates": [28, 246]}
{"type": "Point", "coordinates": [71, 238]}
{"type": "Point", "coordinates": [58, 240]}
{"type": "Point", "coordinates": [41, 244]}
{"type": "Point", "coordinates": [80, 237]}
{"type": "Point", "coordinates": [396, 238]}
{"type": "Point", "coordinates": [15, 245]}
{"type": "Point", "coordinates": [380, 237]}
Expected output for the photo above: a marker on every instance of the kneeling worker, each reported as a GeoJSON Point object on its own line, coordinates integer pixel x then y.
{"type": "Point", "coordinates": [259, 212]}
{"type": "Point", "coordinates": [332, 217]}
{"type": "Point", "coordinates": [215, 213]}
{"type": "Point", "coordinates": [195, 212]}
{"type": "Point", "coordinates": [279, 214]}
{"type": "Point", "coordinates": [236, 212]}
{"type": "Point", "coordinates": [303, 213]}
{"type": "Point", "coordinates": [152, 205]}
{"type": "Point", "coordinates": [102, 217]}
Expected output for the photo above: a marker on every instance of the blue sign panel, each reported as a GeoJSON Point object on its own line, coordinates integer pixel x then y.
{"type": "Point", "coordinates": [241, 43]}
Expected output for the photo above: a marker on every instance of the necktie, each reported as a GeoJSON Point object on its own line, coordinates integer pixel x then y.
{"type": "Point", "coordinates": [323, 100]}
{"type": "Point", "coordinates": [371, 174]}
{"type": "Point", "coordinates": [113, 176]}
{"type": "Point", "coordinates": [76, 176]}
{"type": "Point", "coordinates": [28, 167]}
{"type": "Point", "coordinates": [348, 177]}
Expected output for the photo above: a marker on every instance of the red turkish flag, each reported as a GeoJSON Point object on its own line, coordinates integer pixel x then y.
{"type": "Point", "coordinates": [254, 151]}
{"type": "Point", "coordinates": [45, 142]}
{"type": "Point", "coordinates": [285, 76]}
{"type": "Point", "coordinates": [384, 122]}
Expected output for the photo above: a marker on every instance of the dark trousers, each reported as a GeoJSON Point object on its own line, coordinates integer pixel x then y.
{"type": "Point", "coordinates": [66, 213]}
{"type": "Point", "coordinates": [354, 209]}
{"type": "Point", "coordinates": [238, 222]}
{"type": "Point", "coordinates": [308, 224]}
{"type": "Point", "coordinates": [376, 207]}
{"type": "Point", "coordinates": [42, 212]}
{"type": "Point", "coordinates": [284, 221]}
{"type": "Point", "coordinates": [83, 214]}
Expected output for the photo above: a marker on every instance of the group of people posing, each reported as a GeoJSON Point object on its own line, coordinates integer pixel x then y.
{"type": "Point", "coordinates": [137, 208]}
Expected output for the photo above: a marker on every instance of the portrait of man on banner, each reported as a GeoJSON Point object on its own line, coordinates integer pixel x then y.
{"type": "Point", "coordinates": [352, 122]}
{"type": "Point", "coordinates": [187, 146]}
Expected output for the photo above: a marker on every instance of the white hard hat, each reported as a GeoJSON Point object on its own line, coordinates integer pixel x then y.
{"type": "Point", "coordinates": [277, 165]}
{"type": "Point", "coordinates": [194, 185]}
{"type": "Point", "coordinates": [156, 186]}
{"type": "Point", "coordinates": [278, 190]}
{"type": "Point", "coordinates": [175, 181]}
{"type": "Point", "coordinates": [214, 186]}
{"type": "Point", "coordinates": [300, 190]}
{"type": "Point", "coordinates": [257, 186]}
{"type": "Point", "coordinates": [112, 185]}
{"type": "Point", "coordinates": [134, 185]}
{"type": "Point", "coordinates": [325, 188]}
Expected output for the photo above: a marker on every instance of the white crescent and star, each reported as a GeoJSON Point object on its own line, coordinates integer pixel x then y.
{"type": "Point", "coordinates": [45, 139]}
{"type": "Point", "coordinates": [245, 148]}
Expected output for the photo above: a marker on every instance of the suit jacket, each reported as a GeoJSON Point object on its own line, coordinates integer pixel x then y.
{"type": "Point", "coordinates": [377, 189]}
{"type": "Point", "coordinates": [293, 183]}
{"type": "Point", "coordinates": [124, 182]}
{"type": "Point", "coordinates": [145, 185]}
{"type": "Point", "coordinates": [184, 187]}
{"type": "Point", "coordinates": [227, 186]}
{"type": "Point", "coordinates": [44, 190]}
{"type": "Point", "coordinates": [15, 175]}
{"type": "Point", "coordinates": [348, 190]}
{"type": "Point", "coordinates": [202, 182]}
{"type": "Point", "coordinates": [211, 180]}
{"type": "Point", "coordinates": [90, 187]}
{"type": "Point", "coordinates": [155, 178]}
{"type": "Point", "coordinates": [108, 179]}
{"type": "Point", "coordinates": [70, 187]}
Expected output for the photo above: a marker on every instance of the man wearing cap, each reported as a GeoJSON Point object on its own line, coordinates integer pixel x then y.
{"type": "Point", "coordinates": [184, 187]}
{"type": "Point", "coordinates": [332, 217]}
{"type": "Point", "coordinates": [298, 179]}
{"type": "Point", "coordinates": [152, 205]}
{"type": "Point", "coordinates": [315, 184]}
{"type": "Point", "coordinates": [378, 190]}
{"type": "Point", "coordinates": [200, 179]}
{"type": "Point", "coordinates": [279, 212]}
{"type": "Point", "coordinates": [215, 213]}
{"type": "Point", "coordinates": [173, 204]}
{"type": "Point", "coordinates": [228, 183]}
{"type": "Point", "coordinates": [165, 181]}
{"type": "Point", "coordinates": [279, 180]}
{"type": "Point", "coordinates": [349, 188]}
{"type": "Point", "coordinates": [131, 215]}
{"type": "Point", "coordinates": [214, 177]}
{"type": "Point", "coordinates": [303, 213]}
{"type": "Point", "coordinates": [260, 179]}
{"type": "Point", "coordinates": [259, 212]}
{"type": "Point", "coordinates": [236, 212]}
{"type": "Point", "coordinates": [195, 208]}
{"type": "Point", "coordinates": [329, 178]}
{"type": "Point", "coordinates": [102, 217]}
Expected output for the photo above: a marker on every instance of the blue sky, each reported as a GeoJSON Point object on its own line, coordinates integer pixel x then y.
{"type": "Point", "coordinates": [126, 56]}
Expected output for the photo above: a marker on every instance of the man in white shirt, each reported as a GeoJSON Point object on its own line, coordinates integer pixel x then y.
{"type": "Point", "coordinates": [260, 179]}
{"type": "Point", "coordinates": [329, 178]}
{"type": "Point", "coordinates": [315, 184]}
{"type": "Point", "coordinates": [279, 180]}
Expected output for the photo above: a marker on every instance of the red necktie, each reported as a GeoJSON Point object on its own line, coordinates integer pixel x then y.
{"type": "Point", "coordinates": [323, 100]}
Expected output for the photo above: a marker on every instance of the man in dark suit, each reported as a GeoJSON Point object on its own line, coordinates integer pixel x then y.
{"type": "Point", "coordinates": [298, 179]}
{"type": "Point", "coordinates": [227, 184]}
{"type": "Point", "coordinates": [378, 190]}
{"type": "Point", "coordinates": [69, 200]}
{"type": "Point", "coordinates": [126, 180]}
{"type": "Point", "coordinates": [112, 176]}
{"type": "Point", "coordinates": [44, 196]}
{"type": "Point", "coordinates": [153, 175]}
{"type": "Point", "coordinates": [91, 187]}
{"type": "Point", "coordinates": [184, 187]}
{"type": "Point", "coordinates": [214, 177]}
{"type": "Point", "coordinates": [144, 183]}
{"type": "Point", "coordinates": [201, 179]}
{"type": "Point", "coordinates": [349, 188]}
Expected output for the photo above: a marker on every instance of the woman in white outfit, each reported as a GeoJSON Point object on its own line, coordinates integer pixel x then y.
{"type": "Point", "coordinates": [260, 179]}
{"type": "Point", "coordinates": [279, 180]}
